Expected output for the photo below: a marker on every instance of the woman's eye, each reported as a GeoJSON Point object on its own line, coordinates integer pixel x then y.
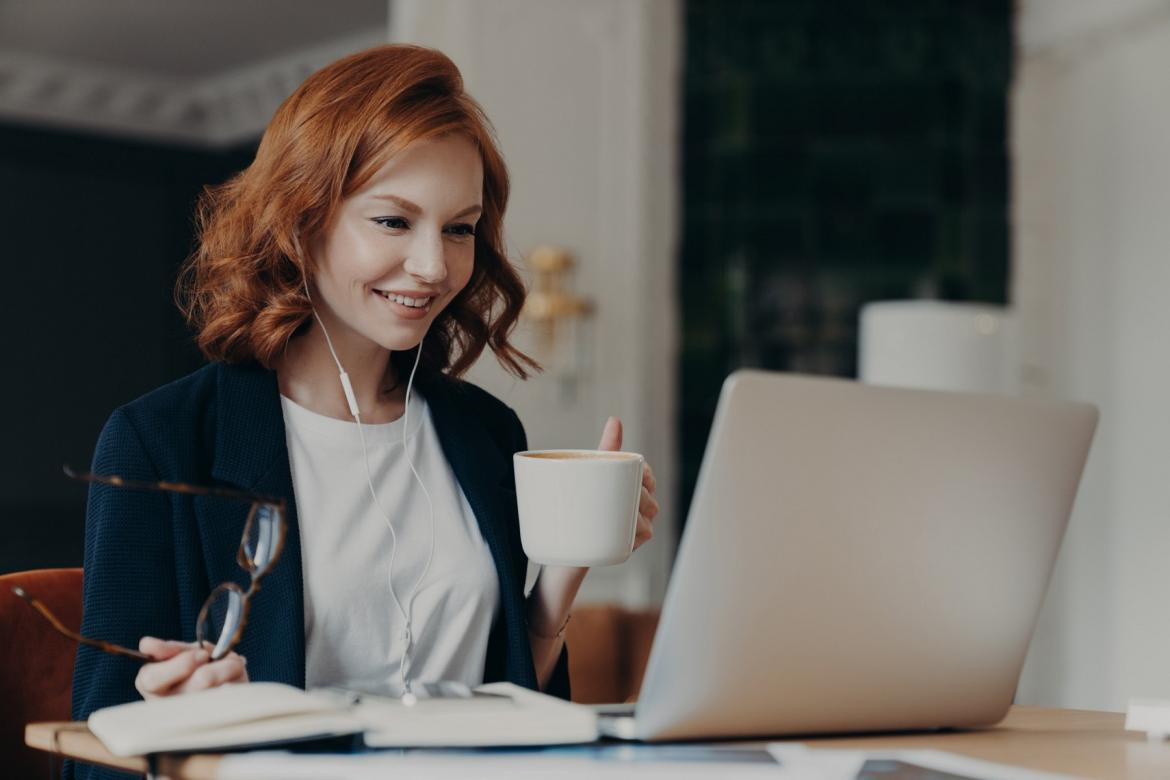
{"type": "Point", "coordinates": [394, 223]}
{"type": "Point", "coordinates": [462, 229]}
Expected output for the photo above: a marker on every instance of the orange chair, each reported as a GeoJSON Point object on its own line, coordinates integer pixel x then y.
{"type": "Point", "coordinates": [36, 663]}
{"type": "Point", "coordinates": [608, 650]}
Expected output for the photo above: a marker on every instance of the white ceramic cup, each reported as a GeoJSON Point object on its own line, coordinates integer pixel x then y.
{"type": "Point", "coordinates": [578, 507]}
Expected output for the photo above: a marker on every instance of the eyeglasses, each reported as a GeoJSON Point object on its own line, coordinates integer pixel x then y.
{"type": "Point", "coordinates": [225, 612]}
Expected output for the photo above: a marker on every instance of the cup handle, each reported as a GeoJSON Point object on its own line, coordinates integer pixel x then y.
{"type": "Point", "coordinates": [637, 502]}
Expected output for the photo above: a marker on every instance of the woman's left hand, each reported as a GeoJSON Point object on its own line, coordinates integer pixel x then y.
{"type": "Point", "coordinates": [611, 439]}
{"type": "Point", "coordinates": [549, 605]}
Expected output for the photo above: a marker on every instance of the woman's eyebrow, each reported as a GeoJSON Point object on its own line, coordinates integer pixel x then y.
{"type": "Point", "coordinates": [476, 209]}
{"type": "Point", "coordinates": [413, 208]}
{"type": "Point", "coordinates": [402, 203]}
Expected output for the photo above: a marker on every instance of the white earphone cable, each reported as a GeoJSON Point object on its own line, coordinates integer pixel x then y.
{"type": "Point", "coordinates": [351, 399]}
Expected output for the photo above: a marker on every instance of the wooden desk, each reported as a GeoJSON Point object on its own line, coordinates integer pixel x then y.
{"type": "Point", "coordinates": [1074, 742]}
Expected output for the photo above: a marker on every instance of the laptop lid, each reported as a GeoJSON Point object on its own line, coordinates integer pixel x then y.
{"type": "Point", "coordinates": [860, 558]}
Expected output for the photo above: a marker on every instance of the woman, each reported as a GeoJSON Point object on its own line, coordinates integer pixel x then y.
{"type": "Point", "coordinates": [365, 240]}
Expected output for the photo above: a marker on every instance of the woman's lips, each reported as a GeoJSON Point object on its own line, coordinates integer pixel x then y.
{"type": "Point", "coordinates": [402, 310]}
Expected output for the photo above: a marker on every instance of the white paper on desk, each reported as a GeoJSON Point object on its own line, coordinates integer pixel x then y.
{"type": "Point", "coordinates": [519, 717]}
{"type": "Point", "coordinates": [798, 761]}
{"type": "Point", "coordinates": [422, 765]}
{"type": "Point", "coordinates": [227, 716]}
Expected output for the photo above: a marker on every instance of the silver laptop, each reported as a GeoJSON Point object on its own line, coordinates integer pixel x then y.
{"type": "Point", "coordinates": [859, 558]}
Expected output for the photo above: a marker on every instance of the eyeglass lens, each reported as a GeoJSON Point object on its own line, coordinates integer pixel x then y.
{"type": "Point", "coordinates": [221, 619]}
{"type": "Point", "coordinates": [262, 539]}
{"type": "Point", "coordinates": [223, 615]}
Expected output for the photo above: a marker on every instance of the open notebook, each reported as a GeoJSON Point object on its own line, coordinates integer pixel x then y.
{"type": "Point", "coordinates": [256, 714]}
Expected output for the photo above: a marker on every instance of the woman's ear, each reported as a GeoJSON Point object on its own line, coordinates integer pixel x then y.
{"type": "Point", "coordinates": [300, 252]}
{"type": "Point", "coordinates": [302, 260]}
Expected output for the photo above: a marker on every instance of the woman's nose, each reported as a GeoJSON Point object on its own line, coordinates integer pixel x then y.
{"type": "Point", "coordinates": [426, 261]}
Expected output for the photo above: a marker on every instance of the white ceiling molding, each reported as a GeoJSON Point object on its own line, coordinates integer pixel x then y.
{"type": "Point", "coordinates": [216, 111]}
{"type": "Point", "coordinates": [1069, 30]}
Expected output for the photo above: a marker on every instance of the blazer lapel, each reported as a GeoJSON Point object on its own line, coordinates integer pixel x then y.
{"type": "Point", "coordinates": [251, 454]}
{"type": "Point", "coordinates": [484, 473]}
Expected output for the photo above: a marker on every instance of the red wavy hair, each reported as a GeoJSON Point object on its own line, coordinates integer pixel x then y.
{"type": "Point", "coordinates": [242, 289]}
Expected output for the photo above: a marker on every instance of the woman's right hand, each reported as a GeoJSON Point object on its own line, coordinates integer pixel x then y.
{"type": "Point", "coordinates": [183, 667]}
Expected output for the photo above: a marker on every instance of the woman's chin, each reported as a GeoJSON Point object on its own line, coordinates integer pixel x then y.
{"type": "Point", "coordinates": [397, 333]}
{"type": "Point", "coordinates": [402, 339]}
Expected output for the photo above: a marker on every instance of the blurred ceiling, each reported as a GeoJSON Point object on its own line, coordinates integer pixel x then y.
{"type": "Point", "coordinates": [204, 72]}
{"type": "Point", "coordinates": [1075, 27]}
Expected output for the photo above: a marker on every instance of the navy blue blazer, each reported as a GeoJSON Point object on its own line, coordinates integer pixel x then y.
{"type": "Point", "coordinates": [152, 558]}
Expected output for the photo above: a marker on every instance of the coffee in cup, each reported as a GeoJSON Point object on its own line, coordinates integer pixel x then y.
{"type": "Point", "coordinates": [578, 507]}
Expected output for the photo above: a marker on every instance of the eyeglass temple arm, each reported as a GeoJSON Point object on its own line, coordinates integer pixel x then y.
{"type": "Point", "coordinates": [108, 647]}
{"type": "Point", "coordinates": [171, 487]}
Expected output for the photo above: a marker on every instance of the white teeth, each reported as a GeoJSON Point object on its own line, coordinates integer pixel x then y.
{"type": "Point", "coordinates": [416, 303]}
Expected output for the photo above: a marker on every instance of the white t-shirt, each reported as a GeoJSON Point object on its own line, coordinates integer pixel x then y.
{"type": "Point", "coordinates": [354, 634]}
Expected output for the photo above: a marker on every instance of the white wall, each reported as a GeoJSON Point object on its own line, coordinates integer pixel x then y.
{"type": "Point", "coordinates": [1091, 284]}
{"type": "Point", "coordinates": [584, 98]}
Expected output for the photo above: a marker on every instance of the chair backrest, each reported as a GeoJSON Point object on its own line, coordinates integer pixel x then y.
{"type": "Point", "coordinates": [36, 663]}
{"type": "Point", "coordinates": [608, 649]}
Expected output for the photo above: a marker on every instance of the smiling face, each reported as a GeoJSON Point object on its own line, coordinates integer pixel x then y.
{"type": "Point", "coordinates": [402, 247]}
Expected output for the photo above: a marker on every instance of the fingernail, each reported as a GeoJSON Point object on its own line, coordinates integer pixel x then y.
{"type": "Point", "coordinates": [201, 656]}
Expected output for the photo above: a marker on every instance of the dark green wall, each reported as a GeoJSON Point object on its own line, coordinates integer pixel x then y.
{"type": "Point", "coordinates": [835, 153]}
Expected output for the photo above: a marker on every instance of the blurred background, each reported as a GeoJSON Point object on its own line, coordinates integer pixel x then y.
{"type": "Point", "coordinates": [698, 186]}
